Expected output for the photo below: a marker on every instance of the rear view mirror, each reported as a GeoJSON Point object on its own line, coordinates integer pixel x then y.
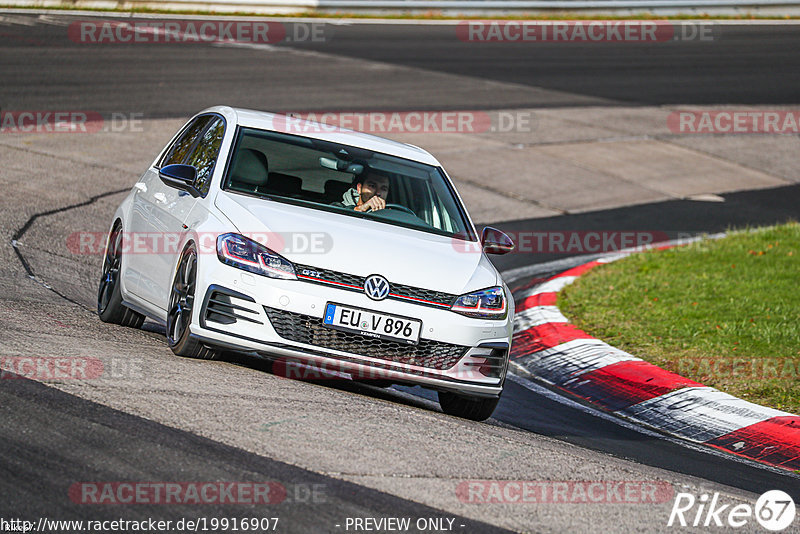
{"type": "Point", "coordinates": [339, 165]}
{"type": "Point", "coordinates": [496, 242]}
{"type": "Point", "coordinates": [180, 177]}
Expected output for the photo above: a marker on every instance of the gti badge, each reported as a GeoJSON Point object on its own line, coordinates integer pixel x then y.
{"type": "Point", "coordinates": [376, 287]}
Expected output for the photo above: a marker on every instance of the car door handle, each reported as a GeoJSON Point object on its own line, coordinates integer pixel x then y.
{"type": "Point", "coordinates": [160, 197]}
{"type": "Point", "coordinates": [140, 186]}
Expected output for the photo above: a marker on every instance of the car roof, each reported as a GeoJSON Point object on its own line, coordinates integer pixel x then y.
{"type": "Point", "coordinates": [305, 128]}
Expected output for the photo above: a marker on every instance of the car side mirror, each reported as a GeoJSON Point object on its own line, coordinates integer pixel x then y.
{"type": "Point", "coordinates": [181, 177]}
{"type": "Point", "coordinates": [496, 242]}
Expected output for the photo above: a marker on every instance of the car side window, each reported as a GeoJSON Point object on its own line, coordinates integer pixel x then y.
{"type": "Point", "coordinates": [183, 145]}
{"type": "Point", "coordinates": [205, 154]}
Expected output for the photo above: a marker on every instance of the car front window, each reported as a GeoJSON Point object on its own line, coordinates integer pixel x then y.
{"type": "Point", "coordinates": [183, 145]}
{"type": "Point", "coordinates": [325, 175]}
{"type": "Point", "coordinates": [205, 154]}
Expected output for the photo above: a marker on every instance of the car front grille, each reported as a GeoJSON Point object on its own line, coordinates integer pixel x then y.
{"type": "Point", "coordinates": [352, 282]}
{"type": "Point", "coordinates": [306, 329]}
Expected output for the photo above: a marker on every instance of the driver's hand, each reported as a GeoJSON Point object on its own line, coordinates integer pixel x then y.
{"type": "Point", "coordinates": [373, 204]}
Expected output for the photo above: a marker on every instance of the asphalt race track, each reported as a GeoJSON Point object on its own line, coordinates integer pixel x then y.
{"type": "Point", "coordinates": [742, 65]}
{"type": "Point", "coordinates": [369, 452]}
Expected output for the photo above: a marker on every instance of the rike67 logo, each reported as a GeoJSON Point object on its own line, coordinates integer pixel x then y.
{"type": "Point", "coordinates": [774, 511]}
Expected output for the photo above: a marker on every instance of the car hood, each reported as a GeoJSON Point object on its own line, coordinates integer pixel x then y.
{"type": "Point", "coordinates": [362, 247]}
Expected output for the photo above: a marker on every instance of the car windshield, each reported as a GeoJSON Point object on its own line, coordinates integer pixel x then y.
{"type": "Point", "coordinates": [323, 175]}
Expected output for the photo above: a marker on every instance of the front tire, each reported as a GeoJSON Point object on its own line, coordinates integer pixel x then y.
{"type": "Point", "coordinates": [109, 296]}
{"type": "Point", "coordinates": [473, 408]}
{"type": "Point", "coordinates": [181, 304]}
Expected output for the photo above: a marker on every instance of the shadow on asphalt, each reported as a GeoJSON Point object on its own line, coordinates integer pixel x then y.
{"type": "Point", "coordinates": [667, 220]}
{"type": "Point", "coordinates": [58, 443]}
{"type": "Point", "coordinates": [316, 375]}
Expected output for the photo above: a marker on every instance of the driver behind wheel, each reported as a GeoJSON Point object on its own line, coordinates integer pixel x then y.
{"type": "Point", "coordinates": [368, 193]}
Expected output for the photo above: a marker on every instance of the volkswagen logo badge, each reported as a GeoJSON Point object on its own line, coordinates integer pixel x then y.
{"type": "Point", "coordinates": [376, 287]}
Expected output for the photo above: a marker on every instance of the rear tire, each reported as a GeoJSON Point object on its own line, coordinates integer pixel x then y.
{"type": "Point", "coordinates": [109, 296]}
{"type": "Point", "coordinates": [473, 408]}
{"type": "Point", "coordinates": [179, 316]}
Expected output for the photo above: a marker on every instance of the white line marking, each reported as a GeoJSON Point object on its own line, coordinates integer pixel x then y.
{"type": "Point", "coordinates": [252, 46]}
{"type": "Point", "coordinates": [20, 21]}
{"type": "Point", "coordinates": [52, 20]}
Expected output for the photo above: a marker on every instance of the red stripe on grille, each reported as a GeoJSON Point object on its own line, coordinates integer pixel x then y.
{"type": "Point", "coordinates": [328, 281]}
{"type": "Point", "coordinates": [419, 300]}
{"type": "Point", "coordinates": [332, 282]}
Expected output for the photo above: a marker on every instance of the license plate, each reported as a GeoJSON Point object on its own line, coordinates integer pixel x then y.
{"type": "Point", "coordinates": [372, 324]}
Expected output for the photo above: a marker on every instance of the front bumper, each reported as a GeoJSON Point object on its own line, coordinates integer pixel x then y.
{"type": "Point", "coordinates": [283, 319]}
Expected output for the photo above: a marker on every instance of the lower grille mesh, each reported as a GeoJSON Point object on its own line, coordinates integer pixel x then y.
{"type": "Point", "coordinates": [306, 329]}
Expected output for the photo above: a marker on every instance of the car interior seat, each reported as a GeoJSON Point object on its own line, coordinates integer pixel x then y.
{"type": "Point", "coordinates": [251, 171]}
{"type": "Point", "coordinates": [284, 184]}
{"type": "Point", "coordinates": [334, 190]}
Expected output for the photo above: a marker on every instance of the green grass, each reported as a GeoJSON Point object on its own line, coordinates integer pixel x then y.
{"type": "Point", "coordinates": [724, 312]}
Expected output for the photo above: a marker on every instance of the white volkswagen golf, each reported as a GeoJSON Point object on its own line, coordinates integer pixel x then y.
{"type": "Point", "coordinates": [303, 243]}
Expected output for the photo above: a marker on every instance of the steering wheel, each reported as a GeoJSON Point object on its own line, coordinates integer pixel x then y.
{"type": "Point", "coordinates": [400, 207]}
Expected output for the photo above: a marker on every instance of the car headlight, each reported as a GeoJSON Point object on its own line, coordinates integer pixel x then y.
{"type": "Point", "coordinates": [243, 253]}
{"type": "Point", "coordinates": [485, 304]}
